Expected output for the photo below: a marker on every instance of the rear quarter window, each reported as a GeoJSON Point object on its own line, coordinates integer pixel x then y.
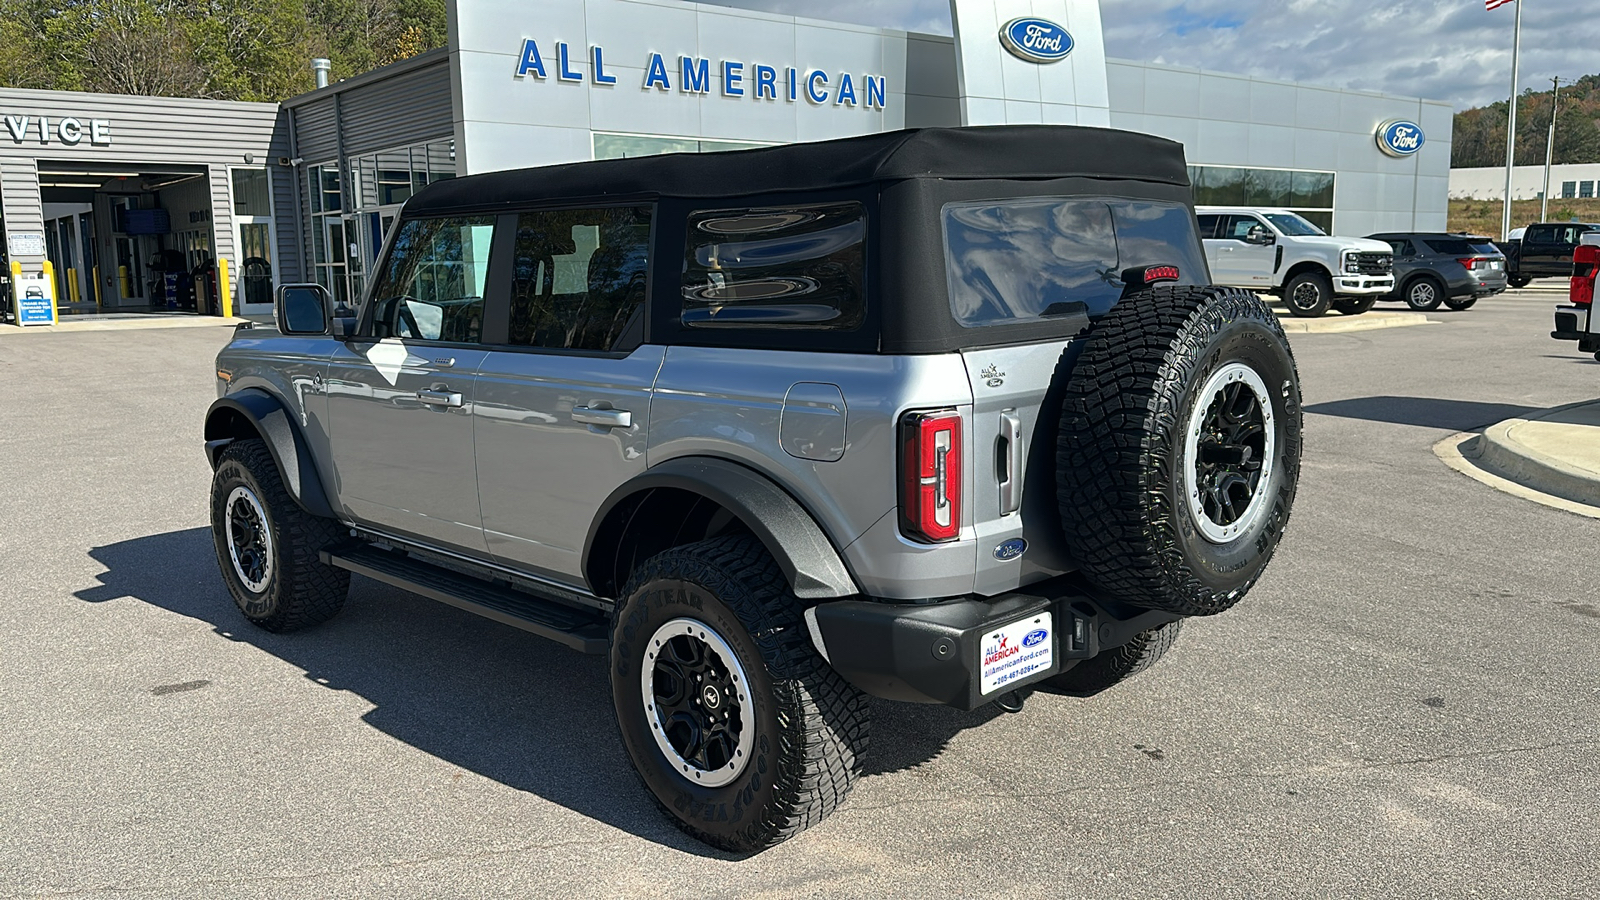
{"type": "Point", "coordinates": [1449, 246]}
{"type": "Point", "coordinates": [1025, 259]}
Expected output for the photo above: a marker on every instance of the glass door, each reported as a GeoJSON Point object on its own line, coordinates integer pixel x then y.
{"type": "Point", "coordinates": [254, 277]}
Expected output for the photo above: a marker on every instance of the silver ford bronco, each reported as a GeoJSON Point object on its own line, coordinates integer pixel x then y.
{"type": "Point", "coordinates": [941, 416]}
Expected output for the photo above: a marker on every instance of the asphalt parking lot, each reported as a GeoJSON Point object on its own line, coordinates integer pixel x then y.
{"type": "Point", "coordinates": [1406, 706]}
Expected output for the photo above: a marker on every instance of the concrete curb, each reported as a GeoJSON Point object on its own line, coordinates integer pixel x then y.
{"type": "Point", "coordinates": [1454, 451]}
{"type": "Point", "coordinates": [1503, 458]}
{"type": "Point", "coordinates": [70, 327]}
{"type": "Point", "coordinates": [1337, 324]}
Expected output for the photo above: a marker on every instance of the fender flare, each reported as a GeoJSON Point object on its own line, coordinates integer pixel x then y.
{"type": "Point", "coordinates": [271, 420]}
{"type": "Point", "coordinates": [807, 558]}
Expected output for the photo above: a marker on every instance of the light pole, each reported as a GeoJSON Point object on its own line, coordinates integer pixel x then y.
{"type": "Point", "coordinates": [1550, 147]}
{"type": "Point", "coordinates": [1511, 126]}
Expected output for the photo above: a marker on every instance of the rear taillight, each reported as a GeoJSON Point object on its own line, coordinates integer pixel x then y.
{"type": "Point", "coordinates": [1471, 262]}
{"type": "Point", "coordinates": [1585, 263]}
{"type": "Point", "coordinates": [930, 475]}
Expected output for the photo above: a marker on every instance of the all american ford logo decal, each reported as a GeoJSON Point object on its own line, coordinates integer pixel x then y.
{"type": "Point", "coordinates": [1400, 138]}
{"type": "Point", "coordinates": [1036, 40]}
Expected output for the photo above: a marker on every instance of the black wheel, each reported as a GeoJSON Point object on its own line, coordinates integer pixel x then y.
{"type": "Point", "coordinates": [1519, 281]}
{"type": "Point", "coordinates": [1116, 665]}
{"type": "Point", "coordinates": [744, 741]}
{"type": "Point", "coordinates": [1179, 448]}
{"type": "Point", "coordinates": [1308, 294]}
{"type": "Point", "coordinates": [1460, 303]}
{"type": "Point", "coordinates": [1424, 294]}
{"type": "Point", "coordinates": [267, 545]}
{"type": "Point", "coordinates": [1353, 306]}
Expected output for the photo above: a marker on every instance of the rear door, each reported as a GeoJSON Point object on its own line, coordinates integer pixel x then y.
{"type": "Point", "coordinates": [563, 404]}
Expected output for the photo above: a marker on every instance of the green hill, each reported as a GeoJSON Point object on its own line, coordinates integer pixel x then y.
{"type": "Point", "coordinates": [1480, 133]}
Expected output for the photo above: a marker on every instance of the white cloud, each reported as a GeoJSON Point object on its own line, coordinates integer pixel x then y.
{"type": "Point", "coordinates": [1451, 50]}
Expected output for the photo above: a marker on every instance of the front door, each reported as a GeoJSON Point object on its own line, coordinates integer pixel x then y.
{"type": "Point", "coordinates": [1238, 262]}
{"type": "Point", "coordinates": [561, 411]}
{"type": "Point", "coordinates": [401, 398]}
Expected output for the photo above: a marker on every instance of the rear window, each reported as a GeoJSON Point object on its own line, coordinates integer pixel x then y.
{"type": "Point", "coordinates": [1450, 246]}
{"type": "Point", "coordinates": [1032, 258]}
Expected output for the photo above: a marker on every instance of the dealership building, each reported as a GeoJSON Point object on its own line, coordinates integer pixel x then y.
{"type": "Point", "coordinates": [121, 204]}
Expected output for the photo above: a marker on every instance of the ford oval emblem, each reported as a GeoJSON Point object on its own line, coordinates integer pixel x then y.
{"type": "Point", "coordinates": [1036, 40]}
{"type": "Point", "coordinates": [1010, 549]}
{"type": "Point", "coordinates": [1400, 137]}
{"type": "Point", "coordinates": [1035, 637]}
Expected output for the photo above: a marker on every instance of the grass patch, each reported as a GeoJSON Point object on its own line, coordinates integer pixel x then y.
{"type": "Point", "coordinates": [1483, 216]}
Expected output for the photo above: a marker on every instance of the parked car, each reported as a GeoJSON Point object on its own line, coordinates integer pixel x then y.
{"type": "Point", "coordinates": [1278, 252]}
{"type": "Point", "coordinates": [1453, 269]}
{"type": "Point", "coordinates": [1543, 251]}
{"type": "Point", "coordinates": [1575, 321]}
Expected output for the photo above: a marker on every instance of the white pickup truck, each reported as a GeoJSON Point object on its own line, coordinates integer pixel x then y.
{"type": "Point", "coordinates": [1278, 252]}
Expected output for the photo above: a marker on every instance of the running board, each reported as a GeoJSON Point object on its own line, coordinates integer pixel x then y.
{"type": "Point", "coordinates": [581, 629]}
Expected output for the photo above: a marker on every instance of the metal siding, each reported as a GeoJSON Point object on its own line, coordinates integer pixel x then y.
{"type": "Point", "coordinates": [410, 108]}
{"type": "Point", "coordinates": [287, 228]}
{"type": "Point", "coordinates": [222, 245]}
{"type": "Point", "coordinates": [316, 131]}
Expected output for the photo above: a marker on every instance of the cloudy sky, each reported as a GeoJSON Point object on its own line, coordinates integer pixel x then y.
{"type": "Point", "coordinates": [1450, 50]}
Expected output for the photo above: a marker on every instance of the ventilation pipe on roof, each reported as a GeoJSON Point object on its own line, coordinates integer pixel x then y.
{"type": "Point", "coordinates": [321, 67]}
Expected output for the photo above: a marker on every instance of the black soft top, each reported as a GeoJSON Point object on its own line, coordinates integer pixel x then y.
{"type": "Point", "coordinates": [987, 152]}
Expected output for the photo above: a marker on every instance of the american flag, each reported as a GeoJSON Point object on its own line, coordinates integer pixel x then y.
{"type": "Point", "coordinates": [1495, 4]}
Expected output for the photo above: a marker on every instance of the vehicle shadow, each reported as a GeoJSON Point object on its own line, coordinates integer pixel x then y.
{"type": "Point", "coordinates": [501, 703]}
{"type": "Point", "coordinates": [1424, 412]}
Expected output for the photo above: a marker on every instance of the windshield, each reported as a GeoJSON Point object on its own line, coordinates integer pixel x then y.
{"type": "Point", "coordinates": [1292, 225]}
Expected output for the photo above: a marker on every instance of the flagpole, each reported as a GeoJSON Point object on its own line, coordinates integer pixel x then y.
{"type": "Point", "coordinates": [1511, 124]}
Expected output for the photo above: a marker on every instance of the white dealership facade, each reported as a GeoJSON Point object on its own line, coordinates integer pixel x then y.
{"type": "Point", "coordinates": [524, 84]}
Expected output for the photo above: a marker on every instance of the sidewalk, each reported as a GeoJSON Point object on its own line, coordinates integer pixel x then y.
{"type": "Point", "coordinates": [71, 324]}
{"type": "Point", "coordinates": [1551, 457]}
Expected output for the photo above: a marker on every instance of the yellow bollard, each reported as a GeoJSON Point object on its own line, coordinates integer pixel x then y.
{"type": "Point", "coordinates": [50, 285]}
{"type": "Point", "coordinates": [224, 290]}
{"type": "Point", "coordinates": [16, 290]}
{"type": "Point", "coordinates": [72, 285]}
{"type": "Point", "coordinates": [127, 286]}
{"type": "Point", "coordinates": [96, 286]}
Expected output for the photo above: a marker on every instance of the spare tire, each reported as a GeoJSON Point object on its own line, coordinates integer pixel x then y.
{"type": "Point", "coordinates": [1179, 448]}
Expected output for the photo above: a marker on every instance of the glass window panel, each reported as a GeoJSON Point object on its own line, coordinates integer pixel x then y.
{"type": "Point", "coordinates": [622, 146]}
{"type": "Point", "coordinates": [1569, 189]}
{"type": "Point", "coordinates": [579, 278]}
{"type": "Point", "coordinates": [252, 192]}
{"type": "Point", "coordinates": [801, 267]}
{"type": "Point", "coordinates": [327, 185]}
{"type": "Point", "coordinates": [1271, 187]}
{"type": "Point", "coordinates": [394, 177]}
{"type": "Point", "coordinates": [1585, 189]}
{"type": "Point", "coordinates": [431, 285]}
{"type": "Point", "coordinates": [441, 160]}
{"type": "Point", "coordinates": [1313, 189]}
{"type": "Point", "coordinates": [1321, 219]}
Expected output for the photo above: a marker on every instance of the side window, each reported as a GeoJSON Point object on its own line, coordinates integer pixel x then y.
{"type": "Point", "coordinates": [1239, 226]}
{"type": "Point", "coordinates": [578, 279]}
{"type": "Point", "coordinates": [1406, 250]}
{"type": "Point", "coordinates": [1539, 234]}
{"type": "Point", "coordinates": [1398, 246]}
{"type": "Point", "coordinates": [794, 268]}
{"type": "Point", "coordinates": [430, 287]}
{"type": "Point", "coordinates": [1208, 225]}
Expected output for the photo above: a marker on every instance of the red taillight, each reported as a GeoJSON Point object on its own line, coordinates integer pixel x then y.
{"type": "Point", "coordinates": [1160, 273]}
{"type": "Point", "coordinates": [1585, 263]}
{"type": "Point", "coordinates": [930, 475]}
{"type": "Point", "coordinates": [1470, 262]}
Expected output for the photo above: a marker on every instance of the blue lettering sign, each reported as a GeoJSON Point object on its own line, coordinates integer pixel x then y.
{"type": "Point", "coordinates": [766, 83]}
{"type": "Point", "coordinates": [876, 91]}
{"type": "Point", "coordinates": [1400, 138]}
{"type": "Point", "coordinates": [563, 69]}
{"type": "Point", "coordinates": [847, 91]}
{"type": "Point", "coordinates": [1036, 40]}
{"type": "Point", "coordinates": [732, 78]}
{"type": "Point", "coordinates": [530, 61]}
{"type": "Point", "coordinates": [600, 76]}
{"type": "Point", "coordinates": [655, 74]}
{"type": "Point", "coordinates": [791, 85]}
{"type": "Point", "coordinates": [696, 75]}
{"type": "Point", "coordinates": [811, 86]}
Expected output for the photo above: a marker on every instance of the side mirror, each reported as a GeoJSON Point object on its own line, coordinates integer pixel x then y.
{"type": "Point", "coordinates": [302, 309]}
{"type": "Point", "coordinates": [1259, 235]}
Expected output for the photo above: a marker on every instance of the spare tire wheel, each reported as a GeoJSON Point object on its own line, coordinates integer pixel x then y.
{"type": "Point", "coordinates": [1179, 448]}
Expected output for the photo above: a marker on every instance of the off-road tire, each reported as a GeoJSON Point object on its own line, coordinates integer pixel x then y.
{"type": "Point", "coordinates": [1353, 306]}
{"type": "Point", "coordinates": [1116, 665]}
{"type": "Point", "coordinates": [1424, 294]}
{"type": "Point", "coordinates": [1122, 447]}
{"type": "Point", "coordinates": [1301, 284]}
{"type": "Point", "coordinates": [1460, 304]}
{"type": "Point", "coordinates": [302, 591]}
{"type": "Point", "coordinates": [810, 725]}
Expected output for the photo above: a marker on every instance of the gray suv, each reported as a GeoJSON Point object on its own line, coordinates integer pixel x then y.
{"type": "Point", "coordinates": [942, 416]}
{"type": "Point", "coordinates": [1453, 269]}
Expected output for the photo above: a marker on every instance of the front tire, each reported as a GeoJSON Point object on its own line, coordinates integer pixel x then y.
{"type": "Point", "coordinates": [736, 726]}
{"type": "Point", "coordinates": [1179, 448]}
{"type": "Point", "coordinates": [1424, 294]}
{"type": "Point", "coordinates": [1308, 294]}
{"type": "Point", "coordinates": [267, 545]}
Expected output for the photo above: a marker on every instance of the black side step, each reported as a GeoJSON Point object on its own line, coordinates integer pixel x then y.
{"type": "Point", "coordinates": [583, 630]}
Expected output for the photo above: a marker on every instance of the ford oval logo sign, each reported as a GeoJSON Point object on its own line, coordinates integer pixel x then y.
{"type": "Point", "coordinates": [1036, 40]}
{"type": "Point", "coordinates": [1010, 549]}
{"type": "Point", "coordinates": [1400, 138]}
{"type": "Point", "coordinates": [1035, 637]}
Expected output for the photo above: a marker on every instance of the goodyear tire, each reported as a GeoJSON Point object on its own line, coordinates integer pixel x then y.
{"type": "Point", "coordinates": [1179, 448]}
{"type": "Point", "coordinates": [267, 545]}
{"type": "Point", "coordinates": [1116, 665]}
{"type": "Point", "coordinates": [740, 731]}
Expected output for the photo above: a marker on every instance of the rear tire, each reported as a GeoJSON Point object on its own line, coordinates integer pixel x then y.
{"type": "Point", "coordinates": [1424, 294]}
{"type": "Point", "coordinates": [1460, 303]}
{"type": "Point", "coordinates": [1354, 306]}
{"type": "Point", "coordinates": [267, 545]}
{"type": "Point", "coordinates": [1116, 665]}
{"type": "Point", "coordinates": [789, 742]}
{"type": "Point", "coordinates": [1308, 294]}
{"type": "Point", "coordinates": [1179, 448]}
{"type": "Point", "coordinates": [1519, 281]}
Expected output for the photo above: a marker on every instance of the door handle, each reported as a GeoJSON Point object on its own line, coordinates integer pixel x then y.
{"type": "Point", "coordinates": [434, 397]}
{"type": "Point", "coordinates": [604, 418]}
{"type": "Point", "coordinates": [1011, 479]}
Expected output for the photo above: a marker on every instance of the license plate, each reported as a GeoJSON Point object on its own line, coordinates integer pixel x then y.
{"type": "Point", "coordinates": [1013, 652]}
{"type": "Point", "coordinates": [1494, 263]}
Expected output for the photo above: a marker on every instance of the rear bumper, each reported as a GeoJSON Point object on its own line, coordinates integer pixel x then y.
{"type": "Point", "coordinates": [1362, 285]}
{"type": "Point", "coordinates": [938, 652]}
{"type": "Point", "coordinates": [1572, 324]}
